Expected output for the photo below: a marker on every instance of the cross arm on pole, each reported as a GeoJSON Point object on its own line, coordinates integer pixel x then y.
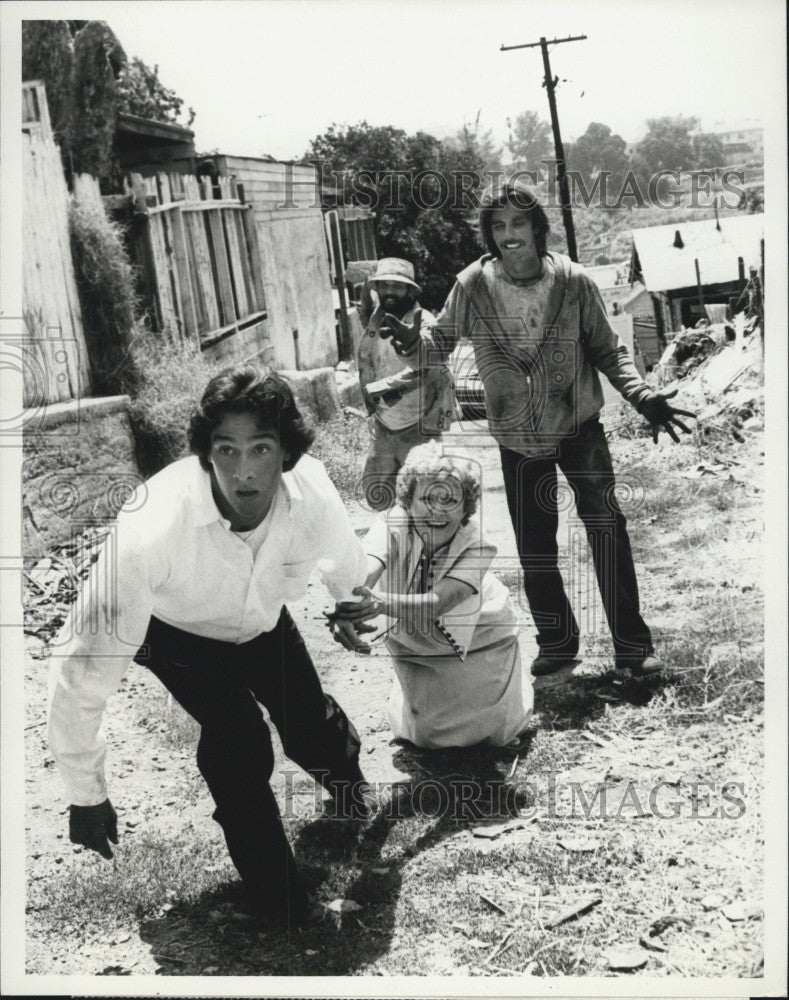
{"type": "Point", "coordinates": [534, 45]}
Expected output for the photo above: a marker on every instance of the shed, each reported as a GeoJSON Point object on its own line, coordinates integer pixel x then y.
{"type": "Point", "coordinates": [611, 280]}
{"type": "Point", "coordinates": [665, 259]}
{"type": "Point", "coordinates": [294, 257]}
{"type": "Point", "coordinates": [147, 147]}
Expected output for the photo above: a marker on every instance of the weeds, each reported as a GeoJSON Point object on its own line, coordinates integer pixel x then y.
{"type": "Point", "coordinates": [341, 445]}
{"type": "Point", "coordinates": [110, 308]}
{"type": "Point", "coordinates": [151, 868]}
{"type": "Point", "coordinates": [173, 376]}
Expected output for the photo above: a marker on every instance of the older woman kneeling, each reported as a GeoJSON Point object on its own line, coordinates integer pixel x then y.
{"type": "Point", "coordinates": [452, 633]}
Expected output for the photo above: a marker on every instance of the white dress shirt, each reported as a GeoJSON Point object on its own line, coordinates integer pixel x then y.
{"type": "Point", "coordinates": [172, 555]}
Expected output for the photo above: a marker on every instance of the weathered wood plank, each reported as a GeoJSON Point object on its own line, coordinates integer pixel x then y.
{"type": "Point", "coordinates": [255, 258]}
{"type": "Point", "coordinates": [184, 278]}
{"type": "Point", "coordinates": [237, 262]}
{"type": "Point", "coordinates": [165, 195]}
{"type": "Point", "coordinates": [172, 269]}
{"type": "Point", "coordinates": [222, 269]}
{"type": "Point", "coordinates": [207, 206]}
{"type": "Point", "coordinates": [57, 362]}
{"type": "Point", "coordinates": [161, 264]}
{"type": "Point", "coordinates": [201, 316]}
{"type": "Point", "coordinates": [251, 345]}
{"type": "Point", "coordinates": [203, 272]}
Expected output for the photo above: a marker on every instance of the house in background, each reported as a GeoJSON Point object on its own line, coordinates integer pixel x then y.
{"type": "Point", "coordinates": [686, 266]}
{"type": "Point", "coordinates": [612, 281]}
{"type": "Point", "coordinates": [742, 140]}
{"type": "Point", "coordinates": [145, 147]}
{"type": "Point", "coordinates": [626, 305]}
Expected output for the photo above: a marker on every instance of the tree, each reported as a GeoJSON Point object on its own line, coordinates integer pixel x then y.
{"type": "Point", "coordinates": [530, 141]}
{"type": "Point", "coordinates": [708, 151]}
{"type": "Point", "coordinates": [410, 182]}
{"type": "Point", "coordinates": [141, 92]}
{"type": "Point", "coordinates": [667, 145]}
{"type": "Point", "coordinates": [98, 61]}
{"type": "Point", "coordinates": [47, 55]}
{"type": "Point", "coordinates": [471, 149]}
{"type": "Point", "coordinates": [88, 82]}
{"type": "Point", "coordinates": [598, 149]}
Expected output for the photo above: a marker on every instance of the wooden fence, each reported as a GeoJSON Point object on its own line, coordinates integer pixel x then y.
{"type": "Point", "coordinates": [56, 363]}
{"type": "Point", "coordinates": [357, 232]}
{"type": "Point", "coordinates": [195, 245]}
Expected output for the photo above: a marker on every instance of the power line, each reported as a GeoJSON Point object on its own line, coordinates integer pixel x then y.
{"type": "Point", "coordinates": [549, 82]}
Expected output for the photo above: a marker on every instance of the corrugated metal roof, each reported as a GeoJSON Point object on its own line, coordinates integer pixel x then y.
{"type": "Point", "coordinates": [665, 266]}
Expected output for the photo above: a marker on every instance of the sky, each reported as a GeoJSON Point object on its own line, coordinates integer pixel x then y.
{"type": "Point", "coordinates": [266, 76]}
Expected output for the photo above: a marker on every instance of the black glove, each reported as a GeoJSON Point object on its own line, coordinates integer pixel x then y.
{"type": "Point", "coordinates": [660, 413]}
{"type": "Point", "coordinates": [92, 825]}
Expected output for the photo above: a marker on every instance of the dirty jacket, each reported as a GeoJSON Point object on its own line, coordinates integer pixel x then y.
{"type": "Point", "coordinates": [544, 394]}
{"type": "Point", "coordinates": [427, 395]}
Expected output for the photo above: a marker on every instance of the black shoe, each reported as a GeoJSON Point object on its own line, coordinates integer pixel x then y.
{"type": "Point", "coordinates": [356, 801]}
{"type": "Point", "coordinates": [550, 664]}
{"type": "Point", "coordinates": [256, 912]}
{"type": "Point", "coordinates": [643, 666]}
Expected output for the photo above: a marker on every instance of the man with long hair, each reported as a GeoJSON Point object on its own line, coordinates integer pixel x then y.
{"type": "Point", "coordinates": [541, 335]}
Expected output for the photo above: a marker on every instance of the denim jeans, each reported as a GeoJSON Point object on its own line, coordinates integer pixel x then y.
{"type": "Point", "coordinates": [531, 487]}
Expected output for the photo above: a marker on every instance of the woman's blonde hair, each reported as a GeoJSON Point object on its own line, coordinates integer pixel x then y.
{"type": "Point", "coordinates": [428, 461]}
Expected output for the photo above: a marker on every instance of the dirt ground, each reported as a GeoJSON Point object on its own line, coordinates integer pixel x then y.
{"type": "Point", "coordinates": [698, 556]}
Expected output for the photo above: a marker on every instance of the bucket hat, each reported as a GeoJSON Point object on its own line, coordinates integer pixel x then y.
{"type": "Point", "coordinates": [396, 269]}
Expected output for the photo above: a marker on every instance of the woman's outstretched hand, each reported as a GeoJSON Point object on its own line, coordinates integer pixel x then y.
{"type": "Point", "coordinates": [348, 620]}
{"type": "Point", "coordinates": [348, 634]}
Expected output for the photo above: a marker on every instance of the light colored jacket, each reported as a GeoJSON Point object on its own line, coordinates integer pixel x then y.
{"type": "Point", "coordinates": [427, 394]}
{"type": "Point", "coordinates": [532, 406]}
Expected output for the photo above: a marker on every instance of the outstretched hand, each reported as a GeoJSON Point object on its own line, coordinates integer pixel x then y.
{"type": "Point", "coordinates": [348, 634]}
{"type": "Point", "coordinates": [662, 415]}
{"type": "Point", "coordinates": [370, 605]}
{"type": "Point", "coordinates": [348, 620]}
{"type": "Point", "coordinates": [94, 827]}
{"type": "Point", "coordinates": [404, 335]}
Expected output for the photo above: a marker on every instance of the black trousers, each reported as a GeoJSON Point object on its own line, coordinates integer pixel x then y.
{"type": "Point", "coordinates": [220, 684]}
{"type": "Point", "coordinates": [532, 497]}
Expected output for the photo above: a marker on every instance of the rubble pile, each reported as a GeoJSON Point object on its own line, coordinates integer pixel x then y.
{"type": "Point", "coordinates": [51, 584]}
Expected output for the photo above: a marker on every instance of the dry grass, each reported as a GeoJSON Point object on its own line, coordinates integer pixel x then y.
{"type": "Point", "coordinates": [173, 376]}
{"type": "Point", "coordinates": [341, 445]}
{"type": "Point", "coordinates": [110, 308]}
{"type": "Point", "coordinates": [435, 898]}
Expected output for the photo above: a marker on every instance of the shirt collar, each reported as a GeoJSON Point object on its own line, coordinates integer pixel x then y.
{"type": "Point", "coordinates": [203, 509]}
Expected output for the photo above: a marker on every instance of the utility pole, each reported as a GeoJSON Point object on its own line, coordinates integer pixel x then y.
{"type": "Point", "coordinates": [550, 85]}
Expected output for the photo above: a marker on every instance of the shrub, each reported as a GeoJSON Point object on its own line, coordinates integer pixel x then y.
{"type": "Point", "coordinates": [341, 445]}
{"type": "Point", "coordinates": [98, 59]}
{"type": "Point", "coordinates": [173, 375]}
{"type": "Point", "coordinates": [105, 281]}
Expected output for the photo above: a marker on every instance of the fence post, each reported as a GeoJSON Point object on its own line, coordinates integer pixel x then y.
{"type": "Point", "coordinates": [344, 346]}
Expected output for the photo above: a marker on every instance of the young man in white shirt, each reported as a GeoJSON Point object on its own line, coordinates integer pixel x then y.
{"type": "Point", "coordinates": [192, 584]}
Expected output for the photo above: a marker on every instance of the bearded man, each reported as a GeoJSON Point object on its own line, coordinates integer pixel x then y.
{"type": "Point", "coordinates": [407, 407]}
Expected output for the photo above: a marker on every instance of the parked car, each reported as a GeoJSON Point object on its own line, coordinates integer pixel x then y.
{"type": "Point", "coordinates": [469, 392]}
